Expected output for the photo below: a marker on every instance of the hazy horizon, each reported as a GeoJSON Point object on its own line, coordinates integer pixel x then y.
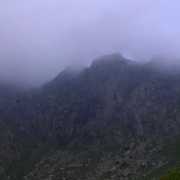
{"type": "Point", "coordinates": [40, 38]}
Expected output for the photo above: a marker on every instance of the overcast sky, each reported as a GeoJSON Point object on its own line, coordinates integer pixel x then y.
{"type": "Point", "coordinates": [38, 38]}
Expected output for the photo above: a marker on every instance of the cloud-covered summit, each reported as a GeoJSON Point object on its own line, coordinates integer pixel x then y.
{"type": "Point", "coordinates": [39, 38]}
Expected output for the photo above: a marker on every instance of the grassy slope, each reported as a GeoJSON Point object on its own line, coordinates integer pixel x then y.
{"type": "Point", "coordinates": [172, 153]}
{"type": "Point", "coordinates": [28, 160]}
{"type": "Point", "coordinates": [174, 174]}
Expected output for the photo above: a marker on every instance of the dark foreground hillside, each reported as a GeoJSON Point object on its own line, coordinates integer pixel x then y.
{"type": "Point", "coordinates": [117, 119]}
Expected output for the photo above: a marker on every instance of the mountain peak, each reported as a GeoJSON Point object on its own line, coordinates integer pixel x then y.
{"type": "Point", "coordinates": [108, 58]}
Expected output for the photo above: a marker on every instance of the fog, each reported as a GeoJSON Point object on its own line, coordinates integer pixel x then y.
{"type": "Point", "coordinates": [39, 38]}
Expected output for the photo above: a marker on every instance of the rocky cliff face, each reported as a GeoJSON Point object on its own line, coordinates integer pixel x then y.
{"type": "Point", "coordinates": [112, 99]}
{"type": "Point", "coordinates": [97, 106]}
{"type": "Point", "coordinates": [125, 116]}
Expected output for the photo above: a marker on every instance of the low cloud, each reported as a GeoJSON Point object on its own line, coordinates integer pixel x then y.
{"type": "Point", "coordinates": [39, 38]}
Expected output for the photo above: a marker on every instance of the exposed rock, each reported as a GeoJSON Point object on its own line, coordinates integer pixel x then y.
{"type": "Point", "coordinates": [127, 153]}
{"type": "Point", "coordinates": [114, 104]}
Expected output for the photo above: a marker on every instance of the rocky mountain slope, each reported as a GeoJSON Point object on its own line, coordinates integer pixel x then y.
{"type": "Point", "coordinates": [115, 104]}
{"type": "Point", "coordinates": [112, 99]}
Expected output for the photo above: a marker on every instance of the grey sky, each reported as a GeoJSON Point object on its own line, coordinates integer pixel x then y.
{"type": "Point", "coordinates": [38, 38]}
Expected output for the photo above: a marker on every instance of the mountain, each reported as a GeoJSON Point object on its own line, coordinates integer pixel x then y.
{"type": "Point", "coordinates": [112, 99]}
{"type": "Point", "coordinates": [115, 104]}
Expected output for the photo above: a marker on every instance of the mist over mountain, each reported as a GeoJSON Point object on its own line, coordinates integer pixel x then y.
{"type": "Point", "coordinates": [38, 39]}
{"type": "Point", "coordinates": [115, 104]}
{"type": "Point", "coordinates": [71, 108]}
{"type": "Point", "coordinates": [112, 89]}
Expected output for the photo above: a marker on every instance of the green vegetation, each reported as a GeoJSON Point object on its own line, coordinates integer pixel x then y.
{"type": "Point", "coordinates": [41, 160]}
{"type": "Point", "coordinates": [171, 153]}
{"type": "Point", "coordinates": [171, 175]}
{"type": "Point", "coordinates": [19, 167]}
